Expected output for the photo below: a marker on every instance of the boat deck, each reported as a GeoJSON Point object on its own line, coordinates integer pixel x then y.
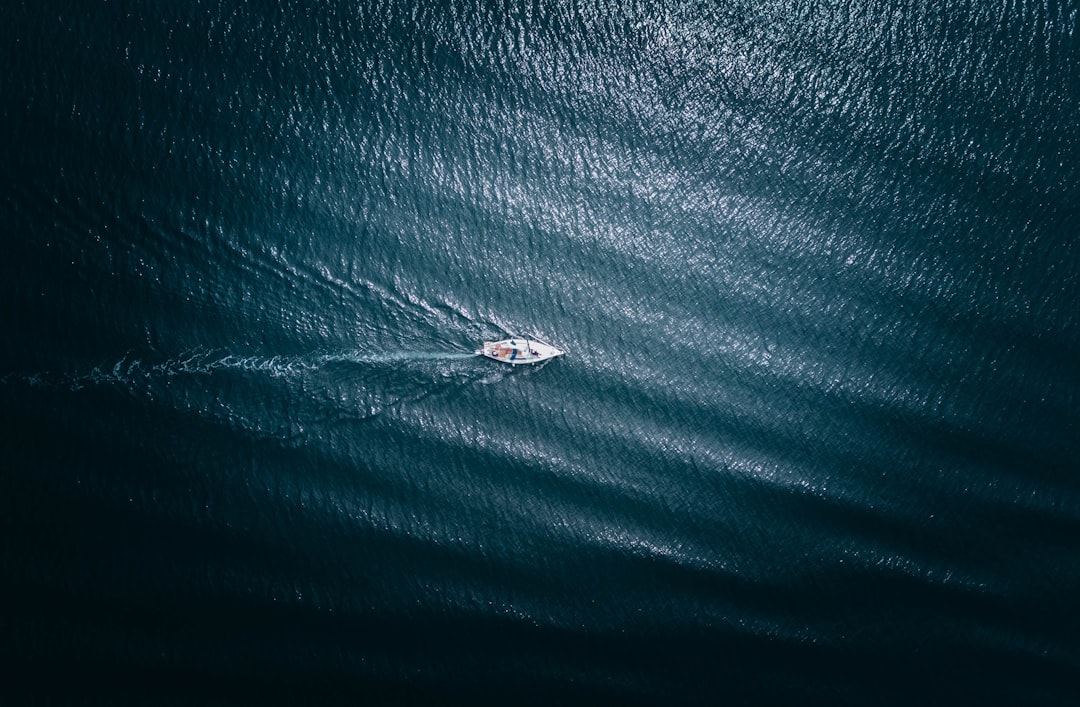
{"type": "Point", "coordinates": [518, 351]}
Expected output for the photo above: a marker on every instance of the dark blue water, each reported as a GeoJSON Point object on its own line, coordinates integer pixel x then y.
{"type": "Point", "coordinates": [816, 265]}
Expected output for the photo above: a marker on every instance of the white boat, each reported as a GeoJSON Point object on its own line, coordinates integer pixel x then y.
{"type": "Point", "coordinates": [519, 350]}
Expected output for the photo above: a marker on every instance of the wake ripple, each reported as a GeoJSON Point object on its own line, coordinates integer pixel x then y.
{"type": "Point", "coordinates": [283, 397]}
{"type": "Point", "coordinates": [131, 368]}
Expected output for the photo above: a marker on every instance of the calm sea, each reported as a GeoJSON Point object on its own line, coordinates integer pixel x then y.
{"type": "Point", "coordinates": [815, 441]}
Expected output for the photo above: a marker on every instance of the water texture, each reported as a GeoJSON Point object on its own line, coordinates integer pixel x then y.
{"type": "Point", "coordinates": [816, 266]}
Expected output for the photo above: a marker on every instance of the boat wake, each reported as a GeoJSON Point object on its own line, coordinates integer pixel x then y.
{"type": "Point", "coordinates": [331, 387]}
{"type": "Point", "coordinates": [395, 356]}
{"type": "Point", "coordinates": [131, 368]}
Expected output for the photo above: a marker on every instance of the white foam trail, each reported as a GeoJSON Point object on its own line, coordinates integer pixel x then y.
{"type": "Point", "coordinates": [391, 356]}
{"type": "Point", "coordinates": [130, 369]}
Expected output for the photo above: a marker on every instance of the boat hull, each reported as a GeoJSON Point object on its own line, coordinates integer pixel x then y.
{"type": "Point", "coordinates": [518, 351]}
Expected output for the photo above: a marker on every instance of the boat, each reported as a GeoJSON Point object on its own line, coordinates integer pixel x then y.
{"type": "Point", "coordinates": [520, 349]}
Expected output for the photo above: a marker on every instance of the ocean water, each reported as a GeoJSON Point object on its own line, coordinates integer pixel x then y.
{"type": "Point", "coordinates": [816, 266]}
